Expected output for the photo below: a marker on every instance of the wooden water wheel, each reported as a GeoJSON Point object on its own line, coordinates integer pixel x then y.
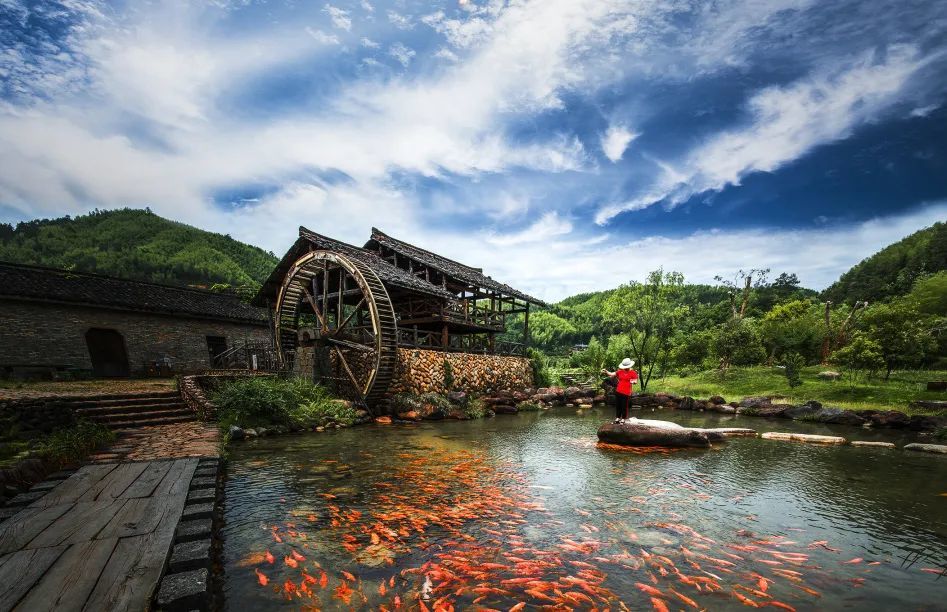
{"type": "Point", "coordinates": [355, 333]}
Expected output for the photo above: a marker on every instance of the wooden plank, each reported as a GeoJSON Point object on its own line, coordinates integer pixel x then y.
{"type": "Point", "coordinates": [178, 478]}
{"type": "Point", "coordinates": [22, 570]}
{"type": "Point", "coordinates": [26, 525]}
{"type": "Point", "coordinates": [115, 483]}
{"type": "Point", "coordinates": [130, 577]}
{"type": "Point", "coordinates": [149, 480]}
{"type": "Point", "coordinates": [143, 515]}
{"type": "Point", "coordinates": [81, 524]}
{"type": "Point", "coordinates": [76, 485]}
{"type": "Point", "coordinates": [67, 584]}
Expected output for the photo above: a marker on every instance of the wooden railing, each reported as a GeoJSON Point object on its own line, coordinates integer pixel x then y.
{"type": "Point", "coordinates": [461, 311]}
{"type": "Point", "coordinates": [465, 343]}
{"type": "Point", "coordinates": [248, 356]}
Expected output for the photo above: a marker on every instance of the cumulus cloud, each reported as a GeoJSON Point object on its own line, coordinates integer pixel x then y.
{"type": "Point", "coordinates": [340, 17]}
{"type": "Point", "coordinates": [615, 140]}
{"type": "Point", "coordinates": [401, 53]}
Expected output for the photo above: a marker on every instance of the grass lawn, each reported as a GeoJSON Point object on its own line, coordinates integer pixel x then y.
{"type": "Point", "coordinates": [12, 389]}
{"type": "Point", "coordinates": [866, 393]}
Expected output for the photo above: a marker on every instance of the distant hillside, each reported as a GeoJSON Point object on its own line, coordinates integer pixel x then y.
{"type": "Point", "coordinates": [892, 271]}
{"type": "Point", "coordinates": [136, 244]}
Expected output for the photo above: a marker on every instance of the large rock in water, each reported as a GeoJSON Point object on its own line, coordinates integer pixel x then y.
{"type": "Point", "coordinates": [652, 433]}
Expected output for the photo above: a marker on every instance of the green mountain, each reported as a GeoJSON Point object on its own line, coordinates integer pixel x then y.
{"type": "Point", "coordinates": [137, 244]}
{"type": "Point", "coordinates": [892, 271]}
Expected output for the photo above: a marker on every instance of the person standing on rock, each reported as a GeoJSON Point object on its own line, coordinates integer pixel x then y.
{"type": "Point", "coordinates": [625, 377]}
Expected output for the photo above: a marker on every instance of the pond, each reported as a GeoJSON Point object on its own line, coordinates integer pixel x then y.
{"type": "Point", "coordinates": [524, 511]}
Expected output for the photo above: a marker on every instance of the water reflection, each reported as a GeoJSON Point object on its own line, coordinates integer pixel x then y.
{"type": "Point", "coordinates": [528, 510]}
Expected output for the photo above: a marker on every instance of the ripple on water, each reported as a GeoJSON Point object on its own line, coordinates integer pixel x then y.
{"type": "Point", "coordinates": [529, 509]}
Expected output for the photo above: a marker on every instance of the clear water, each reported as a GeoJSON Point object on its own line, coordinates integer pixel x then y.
{"type": "Point", "coordinates": [527, 509]}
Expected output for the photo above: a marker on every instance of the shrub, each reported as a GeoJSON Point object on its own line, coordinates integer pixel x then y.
{"type": "Point", "coordinates": [71, 445]}
{"type": "Point", "coordinates": [794, 363]}
{"type": "Point", "coordinates": [475, 408]}
{"type": "Point", "coordinates": [542, 377]}
{"type": "Point", "coordinates": [263, 401]}
{"type": "Point", "coordinates": [941, 434]}
{"type": "Point", "coordinates": [448, 376]}
{"type": "Point", "coordinates": [528, 407]}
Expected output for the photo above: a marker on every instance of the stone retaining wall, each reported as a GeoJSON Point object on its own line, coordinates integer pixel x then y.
{"type": "Point", "coordinates": [33, 416]}
{"type": "Point", "coordinates": [423, 371]}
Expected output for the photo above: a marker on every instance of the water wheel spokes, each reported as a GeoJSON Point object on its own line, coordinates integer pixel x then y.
{"type": "Point", "coordinates": [355, 341]}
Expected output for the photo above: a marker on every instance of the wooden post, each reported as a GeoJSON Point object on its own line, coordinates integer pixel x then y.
{"type": "Point", "coordinates": [526, 327]}
{"type": "Point", "coordinates": [444, 337]}
{"type": "Point", "coordinates": [492, 341]}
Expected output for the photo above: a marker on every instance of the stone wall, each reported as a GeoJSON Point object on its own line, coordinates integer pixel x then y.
{"type": "Point", "coordinates": [53, 335]}
{"type": "Point", "coordinates": [421, 371]}
{"type": "Point", "coordinates": [33, 416]}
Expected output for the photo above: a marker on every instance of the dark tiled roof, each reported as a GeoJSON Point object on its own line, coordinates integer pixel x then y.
{"type": "Point", "coordinates": [474, 276]}
{"type": "Point", "coordinates": [37, 283]}
{"type": "Point", "coordinates": [387, 273]}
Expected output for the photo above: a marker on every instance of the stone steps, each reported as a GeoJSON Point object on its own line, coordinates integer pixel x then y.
{"type": "Point", "coordinates": [93, 411]}
{"type": "Point", "coordinates": [132, 410]}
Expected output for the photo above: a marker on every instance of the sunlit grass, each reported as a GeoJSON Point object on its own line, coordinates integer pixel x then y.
{"type": "Point", "coordinates": [865, 392]}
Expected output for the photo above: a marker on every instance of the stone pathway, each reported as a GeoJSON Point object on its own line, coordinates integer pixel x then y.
{"type": "Point", "coordinates": [97, 541]}
{"type": "Point", "coordinates": [177, 440]}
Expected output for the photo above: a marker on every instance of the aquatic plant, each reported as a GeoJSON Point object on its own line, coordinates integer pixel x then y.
{"type": "Point", "coordinates": [267, 401]}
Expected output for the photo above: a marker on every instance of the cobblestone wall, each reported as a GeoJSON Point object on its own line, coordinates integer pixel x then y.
{"type": "Point", "coordinates": [37, 334]}
{"type": "Point", "coordinates": [420, 371]}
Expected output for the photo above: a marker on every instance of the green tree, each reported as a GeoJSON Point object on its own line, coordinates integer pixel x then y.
{"type": "Point", "coordinates": [650, 314]}
{"type": "Point", "coordinates": [904, 335]}
{"type": "Point", "coordinates": [551, 332]}
{"type": "Point", "coordinates": [592, 359]}
{"type": "Point", "coordinates": [791, 327]}
{"type": "Point", "coordinates": [861, 354]}
{"type": "Point", "coordinates": [737, 342]}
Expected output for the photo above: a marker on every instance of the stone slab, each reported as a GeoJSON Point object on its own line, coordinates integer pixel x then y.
{"type": "Point", "coordinates": [201, 496]}
{"type": "Point", "coordinates": [190, 555]}
{"type": "Point", "coordinates": [188, 531]}
{"type": "Point", "coordinates": [797, 437]}
{"type": "Point", "coordinates": [927, 448]}
{"type": "Point", "coordinates": [198, 511]}
{"type": "Point", "coordinates": [184, 591]}
{"type": "Point", "coordinates": [200, 483]}
{"type": "Point", "coordinates": [876, 444]}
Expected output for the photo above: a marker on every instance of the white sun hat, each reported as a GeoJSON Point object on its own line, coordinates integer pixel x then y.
{"type": "Point", "coordinates": [626, 364]}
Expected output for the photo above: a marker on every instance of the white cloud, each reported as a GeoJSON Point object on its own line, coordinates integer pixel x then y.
{"type": "Point", "coordinates": [785, 124]}
{"type": "Point", "coordinates": [400, 21]}
{"type": "Point", "coordinates": [615, 140]}
{"type": "Point", "coordinates": [368, 43]}
{"type": "Point", "coordinates": [549, 226]}
{"type": "Point", "coordinates": [340, 17]}
{"type": "Point", "coordinates": [401, 53]}
{"type": "Point", "coordinates": [322, 37]}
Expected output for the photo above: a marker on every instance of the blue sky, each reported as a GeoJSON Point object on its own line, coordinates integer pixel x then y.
{"type": "Point", "coordinates": [563, 145]}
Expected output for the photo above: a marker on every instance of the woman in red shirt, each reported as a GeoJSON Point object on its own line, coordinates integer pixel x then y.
{"type": "Point", "coordinates": [626, 377]}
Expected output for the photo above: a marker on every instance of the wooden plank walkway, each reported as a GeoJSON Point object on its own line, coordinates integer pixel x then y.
{"type": "Point", "coordinates": [97, 542]}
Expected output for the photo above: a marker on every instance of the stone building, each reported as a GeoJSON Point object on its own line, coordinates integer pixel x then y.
{"type": "Point", "coordinates": [56, 323]}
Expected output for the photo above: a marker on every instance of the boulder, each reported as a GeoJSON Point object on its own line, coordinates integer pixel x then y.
{"type": "Point", "coordinates": [716, 399]}
{"type": "Point", "coordinates": [687, 403]}
{"type": "Point", "coordinates": [236, 433]}
{"type": "Point", "coordinates": [920, 422]}
{"type": "Point", "coordinates": [652, 433]}
{"type": "Point", "coordinates": [829, 375]}
{"type": "Point", "coordinates": [747, 402]}
{"type": "Point", "coordinates": [803, 411]}
{"type": "Point", "coordinates": [458, 398]}
{"type": "Point", "coordinates": [837, 416]}
{"type": "Point", "coordinates": [574, 393]}
{"type": "Point", "coordinates": [930, 404]}
{"type": "Point", "coordinates": [410, 415]}
{"type": "Point", "coordinates": [383, 420]}
{"type": "Point", "coordinates": [771, 410]}
{"type": "Point", "coordinates": [505, 409]}
{"type": "Point", "coordinates": [888, 418]}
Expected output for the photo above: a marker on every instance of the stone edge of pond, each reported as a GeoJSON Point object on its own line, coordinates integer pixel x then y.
{"type": "Point", "coordinates": [189, 582]}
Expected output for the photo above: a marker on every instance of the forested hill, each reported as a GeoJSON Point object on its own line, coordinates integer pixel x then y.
{"type": "Point", "coordinates": [892, 271]}
{"type": "Point", "coordinates": [137, 244]}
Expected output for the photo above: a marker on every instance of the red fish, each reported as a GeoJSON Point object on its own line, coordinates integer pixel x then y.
{"type": "Point", "coordinates": [261, 577]}
{"type": "Point", "coordinates": [854, 561]}
{"type": "Point", "coordinates": [659, 604]}
{"type": "Point", "coordinates": [270, 558]}
{"type": "Point", "coordinates": [650, 590]}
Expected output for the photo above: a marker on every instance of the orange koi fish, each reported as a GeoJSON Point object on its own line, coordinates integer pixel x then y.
{"type": "Point", "coordinates": [746, 601]}
{"type": "Point", "coordinates": [781, 605]}
{"type": "Point", "coordinates": [659, 604]}
{"type": "Point", "coordinates": [348, 576]}
{"type": "Point", "coordinates": [298, 556]}
{"type": "Point", "coordinates": [269, 558]}
{"type": "Point", "coordinates": [518, 607]}
{"type": "Point", "coordinates": [650, 590]}
{"type": "Point", "coordinates": [854, 561]}
{"type": "Point", "coordinates": [687, 600]}
{"type": "Point", "coordinates": [323, 580]}
{"type": "Point", "coordinates": [290, 561]}
{"type": "Point", "coordinates": [261, 577]}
